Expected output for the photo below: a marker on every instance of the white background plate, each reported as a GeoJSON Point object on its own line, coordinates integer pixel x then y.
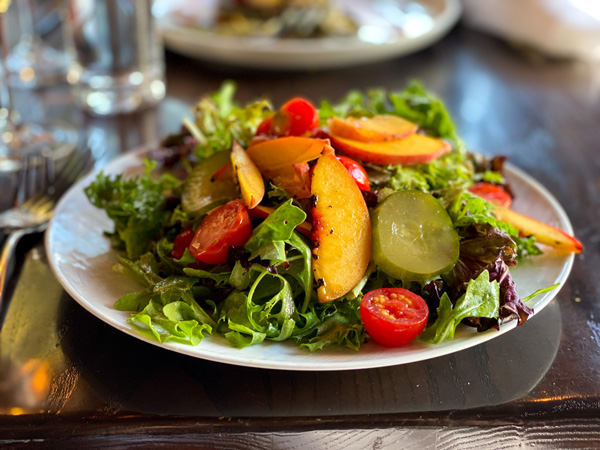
{"type": "Point", "coordinates": [81, 258]}
{"type": "Point", "coordinates": [379, 37]}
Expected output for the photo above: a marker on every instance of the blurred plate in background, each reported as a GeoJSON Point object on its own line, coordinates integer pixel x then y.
{"type": "Point", "coordinates": [384, 29]}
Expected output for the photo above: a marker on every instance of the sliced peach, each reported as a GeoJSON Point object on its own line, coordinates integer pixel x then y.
{"type": "Point", "coordinates": [262, 212]}
{"type": "Point", "coordinates": [341, 229]}
{"type": "Point", "coordinates": [295, 179]}
{"type": "Point", "coordinates": [372, 129]}
{"type": "Point", "coordinates": [544, 233]}
{"type": "Point", "coordinates": [414, 149]}
{"type": "Point", "coordinates": [279, 153]}
{"type": "Point", "coordinates": [247, 176]}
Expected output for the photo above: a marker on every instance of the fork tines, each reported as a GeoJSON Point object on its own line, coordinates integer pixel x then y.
{"type": "Point", "coordinates": [55, 184]}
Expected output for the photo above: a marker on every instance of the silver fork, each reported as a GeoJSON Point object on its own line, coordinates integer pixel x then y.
{"type": "Point", "coordinates": [33, 214]}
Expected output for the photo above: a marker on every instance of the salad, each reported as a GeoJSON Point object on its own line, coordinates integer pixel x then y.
{"type": "Point", "coordinates": [361, 220]}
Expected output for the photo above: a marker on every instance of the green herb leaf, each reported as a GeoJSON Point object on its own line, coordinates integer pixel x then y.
{"type": "Point", "coordinates": [221, 121]}
{"type": "Point", "coordinates": [482, 299]}
{"type": "Point", "coordinates": [136, 206]}
{"type": "Point", "coordinates": [278, 226]}
{"type": "Point", "coordinates": [541, 291]}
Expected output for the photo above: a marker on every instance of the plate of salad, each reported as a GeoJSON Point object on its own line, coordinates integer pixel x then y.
{"type": "Point", "coordinates": [353, 235]}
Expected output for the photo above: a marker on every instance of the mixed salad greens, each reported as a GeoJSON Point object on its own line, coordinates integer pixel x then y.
{"type": "Point", "coordinates": [357, 220]}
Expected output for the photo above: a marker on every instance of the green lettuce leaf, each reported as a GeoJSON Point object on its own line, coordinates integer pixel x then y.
{"type": "Point", "coordinates": [541, 291]}
{"type": "Point", "coordinates": [136, 207]}
{"type": "Point", "coordinates": [333, 323]}
{"type": "Point", "coordinates": [220, 279]}
{"type": "Point", "coordinates": [482, 299]}
{"type": "Point", "coordinates": [219, 120]}
{"type": "Point", "coordinates": [240, 331]}
{"type": "Point", "coordinates": [154, 323]}
{"type": "Point", "coordinates": [301, 267]}
{"type": "Point", "coordinates": [145, 270]}
{"type": "Point", "coordinates": [278, 226]}
{"type": "Point", "coordinates": [135, 301]}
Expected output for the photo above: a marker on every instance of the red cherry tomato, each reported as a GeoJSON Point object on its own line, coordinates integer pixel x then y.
{"type": "Point", "coordinates": [181, 242]}
{"type": "Point", "coordinates": [265, 126]}
{"type": "Point", "coordinates": [492, 193]}
{"type": "Point", "coordinates": [393, 316]}
{"type": "Point", "coordinates": [357, 172]}
{"type": "Point", "coordinates": [303, 116]}
{"type": "Point", "coordinates": [223, 227]}
{"type": "Point", "coordinates": [295, 118]}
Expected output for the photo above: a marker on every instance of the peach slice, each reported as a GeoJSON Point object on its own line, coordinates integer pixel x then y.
{"type": "Point", "coordinates": [247, 176]}
{"type": "Point", "coordinates": [280, 153]}
{"type": "Point", "coordinates": [262, 212]}
{"type": "Point", "coordinates": [341, 229]}
{"type": "Point", "coordinates": [414, 149]}
{"type": "Point", "coordinates": [544, 233]}
{"type": "Point", "coordinates": [372, 129]}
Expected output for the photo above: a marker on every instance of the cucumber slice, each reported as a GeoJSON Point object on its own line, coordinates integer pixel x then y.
{"type": "Point", "coordinates": [413, 237]}
{"type": "Point", "coordinates": [200, 194]}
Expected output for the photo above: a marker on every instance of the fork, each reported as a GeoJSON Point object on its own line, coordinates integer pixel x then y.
{"type": "Point", "coordinates": [33, 214]}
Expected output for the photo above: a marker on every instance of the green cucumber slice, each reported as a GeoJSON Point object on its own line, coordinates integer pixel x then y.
{"type": "Point", "coordinates": [199, 193]}
{"type": "Point", "coordinates": [413, 237]}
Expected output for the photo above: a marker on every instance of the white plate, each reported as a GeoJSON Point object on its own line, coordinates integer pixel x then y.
{"type": "Point", "coordinates": [384, 33]}
{"type": "Point", "coordinates": [81, 258]}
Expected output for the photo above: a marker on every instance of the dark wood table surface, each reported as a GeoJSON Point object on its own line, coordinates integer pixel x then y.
{"type": "Point", "coordinates": [68, 380]}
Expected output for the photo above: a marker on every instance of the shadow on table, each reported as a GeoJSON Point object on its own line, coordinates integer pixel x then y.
{"type": "Point", "coordinates": [130, 375]}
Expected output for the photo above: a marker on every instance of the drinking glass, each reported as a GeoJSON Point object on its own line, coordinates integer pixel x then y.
{"type": "Point", "coordinates": [120, 54]}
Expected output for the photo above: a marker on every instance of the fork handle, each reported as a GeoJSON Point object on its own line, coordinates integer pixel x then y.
{"type": "Point", "coordinates": [7, 253]}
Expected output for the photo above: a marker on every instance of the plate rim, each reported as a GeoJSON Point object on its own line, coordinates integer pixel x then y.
{"type": "Point", "coordinates": [429, 351]}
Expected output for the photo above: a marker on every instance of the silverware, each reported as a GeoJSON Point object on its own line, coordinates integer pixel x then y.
{"type": "Point", "coordinates": [39, 191]}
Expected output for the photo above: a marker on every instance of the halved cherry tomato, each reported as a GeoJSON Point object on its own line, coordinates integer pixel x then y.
{"type": "Point", "coordinates": [393, 316]}
{"type": "Point", "coordinates": [492, 193]}
{"type": "Point", "coordinates": [357, 172]}
{"type": "Point", "coordinates": [181, 242]}
{"type": "Point", "coordinates": [295, 118]}
{"type": "Point", "coordinates": [223, 227]}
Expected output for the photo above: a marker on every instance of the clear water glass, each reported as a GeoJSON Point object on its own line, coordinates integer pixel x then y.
{"type": "Point", "coordinates": [120, 54]}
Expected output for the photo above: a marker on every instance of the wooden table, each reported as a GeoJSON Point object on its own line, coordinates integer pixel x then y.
{"type": "Point", "coordinates": [68, 380]}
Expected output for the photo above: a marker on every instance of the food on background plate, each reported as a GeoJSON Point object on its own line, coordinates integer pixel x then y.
{"type": "Point", "coordinates": [284, 18]}
{"type": "Point", "coordinates": [362, 220]}
{"type": "Point", "coordinates": [273, 19]}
